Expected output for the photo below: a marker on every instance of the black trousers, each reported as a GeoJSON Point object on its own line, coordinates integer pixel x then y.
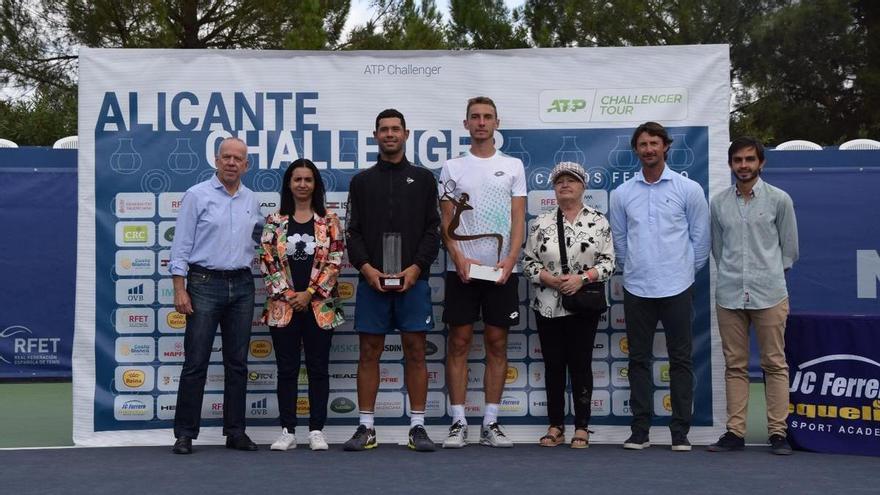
{"type": "Point", "coordinates": [642, 315]}
{"type": "Point", "coordinates": [302, 331]}
{"type": "Point", "coordinates": [567, 345]}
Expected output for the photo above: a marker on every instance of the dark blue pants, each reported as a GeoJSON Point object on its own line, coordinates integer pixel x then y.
{"type": "Point", "coordinates": [225, 299]}
{"type": "Point", "coordinates": [302, 332]}
{"type": "Point", "coordinates": [642, 315]}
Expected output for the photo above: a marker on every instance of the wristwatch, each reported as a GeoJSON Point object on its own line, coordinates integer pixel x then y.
{"type": "Point", "coordinates": [586, 278]}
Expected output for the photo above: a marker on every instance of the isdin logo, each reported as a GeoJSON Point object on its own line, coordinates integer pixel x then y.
{"type": "Point", "coordinates": [563, 105]}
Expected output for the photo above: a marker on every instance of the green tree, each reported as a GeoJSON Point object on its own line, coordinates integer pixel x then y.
{"type": "Point", "coordinates": [400, 25]}
{"type": "Point", "coordinates": [486, 24]}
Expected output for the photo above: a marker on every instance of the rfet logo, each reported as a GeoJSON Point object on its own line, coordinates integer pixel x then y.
{"type": "Point", "coordinates": [8, 333]}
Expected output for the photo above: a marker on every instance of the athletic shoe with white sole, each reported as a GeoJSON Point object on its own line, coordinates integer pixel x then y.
{"type": "Point", "coordinates": [317, 440]}
{"type": "Point", "coordinates": [285, 441]}
{"type": "Point", "coordinates": [457, 437]}
{"type": "Point", "coordinates": [363, 439]}
{"type": "Point", "coordinates": [637, 441]}
{"type": "Point", "coordinates": [493, 436]}
{"type": "Point", "coordinates": [419, 440]}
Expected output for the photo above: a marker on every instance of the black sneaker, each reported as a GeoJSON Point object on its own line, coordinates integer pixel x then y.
{"type": "Point", "coordinates": [680, 442]}
{"type": "Point", "coordinates": [779, 445]}
{"type": "Point", "coordinates": [729, 441]}
{"type": "Point", "coordinates": [364, 438]}
{"type": "Point", "coordinates": [419, 441]}
{"type": "Point", "coordinates": [637, 441]}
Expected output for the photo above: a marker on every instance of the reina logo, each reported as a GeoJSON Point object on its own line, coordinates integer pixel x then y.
{"type": "Point", "coordinates": [133, 378]}
{"type": "Point", "coordinates": [261, 348]}
{"type": "Point", "coordinates": [346, 290]}
{"type": "Point", "coordinates": [302, 406]}
{"type": "Point", "coordinates": [624, 345]}
{"type": "Point", "coordinates": [667, 403]}
{"type": "Point", "coordinates": [176, 320]}
{"type": "Point", "coordinates": [512, 375]}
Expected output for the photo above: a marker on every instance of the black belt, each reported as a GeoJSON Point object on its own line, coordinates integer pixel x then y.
{"type": "Point", "coordinates": [220, 273]}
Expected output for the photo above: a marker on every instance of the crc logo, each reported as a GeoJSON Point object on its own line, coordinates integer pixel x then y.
{"type": "Point", "coordinates": [563, 105]}
{"type": "Point", "coordinates": [342, 405]}
{"type": "Point", "coordinates": [134, 234]}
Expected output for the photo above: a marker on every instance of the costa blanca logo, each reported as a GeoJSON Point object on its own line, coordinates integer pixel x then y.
{"type": "Point", "coordinates": [135, 262]}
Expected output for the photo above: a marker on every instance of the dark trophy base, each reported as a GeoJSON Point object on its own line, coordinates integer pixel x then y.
{"type": "Point", "coordinates": [391, 283]}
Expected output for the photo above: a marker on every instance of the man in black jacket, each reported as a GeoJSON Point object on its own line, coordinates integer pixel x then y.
{"type": "Point", "coordinates": [392, 197]}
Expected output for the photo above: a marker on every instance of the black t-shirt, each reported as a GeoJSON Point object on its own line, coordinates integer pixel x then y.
{"type": "Point", "coordinates": [300, 252]}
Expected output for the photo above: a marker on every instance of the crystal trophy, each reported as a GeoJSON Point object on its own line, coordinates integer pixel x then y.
{"type": "Point", "coordinates": [391, 253]}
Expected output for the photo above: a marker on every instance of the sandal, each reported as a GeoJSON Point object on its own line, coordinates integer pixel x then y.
{"type": "Point", "coordinates": [581, 442]}
{"type": "Point", "coordinates": [551, 439]}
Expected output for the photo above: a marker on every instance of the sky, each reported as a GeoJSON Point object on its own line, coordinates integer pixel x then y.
{"type": "Point", "coordinates": [362, 10]}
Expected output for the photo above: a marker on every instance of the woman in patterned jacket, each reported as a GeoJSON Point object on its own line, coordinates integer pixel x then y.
{"type": "Point", "coordinates": [300, 253]}
{"type": "Point", "coordinates": [567, 338]}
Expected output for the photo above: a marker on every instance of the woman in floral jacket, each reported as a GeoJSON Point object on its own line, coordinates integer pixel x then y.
{"type": "Point", "coordinates": [300, 253]}
{"type": "Point", "coordinates": [566, 337]}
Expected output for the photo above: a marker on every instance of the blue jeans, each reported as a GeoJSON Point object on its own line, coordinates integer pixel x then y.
{"type": "Point", "coordinates": [225, 298]}
{"type": "Point", "coordinates": [302, 332]}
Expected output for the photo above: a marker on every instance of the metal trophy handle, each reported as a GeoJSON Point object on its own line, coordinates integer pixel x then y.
{"type": "Point", "coordinates": [461, 205]}
{"type": "Point", "coordinates": [391, 261]}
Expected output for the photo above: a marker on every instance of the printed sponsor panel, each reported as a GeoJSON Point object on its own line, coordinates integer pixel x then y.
{"type": "Point", "coordinates": [166, 291]}
{"type": "Point", "coordinates": [600, 403]}
{"type": "Point", "coordinates": [620, 403]}
{"type": "Point", "coordinates": [478, 350]}
{"type": "Point", "coordinates": [391, 376]}
{"type": "Point", "coordinates": [212, 406]}
{"type": "Point", "coordinates": [166, 233]}
{"type": "Point", "coordinates": [660, 373]}
{"type": "Point", "coordinates": [620, 374]}
{"type": "Point", "coordinates": [133, 407]}
{"type": "Point", "coordinates": [135, 291]}
{"type": "Point", "coordinates": [600, 345]}
{"type": "Point", "coordinates": [171, 349]}
{"type": "Point", "coordinates": [517, 376]}
{"type": "Point", "coordinates": [601, 378]}
{"type": "Point", "coordinates": [170, 203]}
{"type": "Point", "coordinates": [134, 378]}
{"type": "Point", "coordinates": [513, 403]}
{"type": "Point", "coordinates": [662, 403]}
{"type": "Point", "coordinates": [659, 347]}
{"type": "Point", "coordinates": [343, 376]}
{"type": "Point", "coordinates": [165, 406]}
{"type": "Point", "coordinates": [435, 405]}
{"type": "Point", "coordinates": [135, 263]}
{"type": "Point", "coordinates": [135, 205]}
{"type": "Point", "coordinates": [535, 347]}
{"type": "Point", "coordinates": [538, 402]}
{"type": "Point", "coordinates": [475, 375]}
{"type": "Point", "coordinates": [170, 321]}
{"type": "Point", "coordinates": [262, 377]}
{"type": "Point", "coordinates": [436, 376]}
{"type": "Point", "coordinates": [261, 405]}
{"type": "Point", "coordinates": [163, 263]}
{"type": "Point", "coordinates": [342, 405]}
{"type": "Point", "coordinates": [168, 377]}
{"type": "Point", "coordinates": [537, 378]}
{"type": "Point", "coordinates": [435, 347]}
{"type": "Point", "coordinates": [261, 349]}
{"type": "Point", "coordinates": [134, 320]}
{"type": "Point", "coordinates": [389, 405]}
{"type": "Point", "coordinates": [618, 320]}
{"type": "Point", "coordinates": [135, 234]}
{"type": "Point", "coordinates": [619, 345]}
{"type": "Point", "coordinates": [135, 349]}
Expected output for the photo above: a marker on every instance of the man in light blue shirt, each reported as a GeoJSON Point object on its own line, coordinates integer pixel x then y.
{"type": "Point", "coordinates": [660, 224]}
{"type": "Point", "coordinates": [754, 242]}
{"type": "Point", "coordinates": [210, 266]}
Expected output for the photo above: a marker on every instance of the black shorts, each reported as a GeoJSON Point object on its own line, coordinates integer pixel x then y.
{"type": "Point", "coordinates": [465, 302]}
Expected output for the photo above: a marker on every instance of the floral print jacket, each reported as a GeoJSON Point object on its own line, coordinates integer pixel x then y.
{"type": "Point", "coordinates": [589, 246]}
{"type": "Point", "coordinates": [328, 256]}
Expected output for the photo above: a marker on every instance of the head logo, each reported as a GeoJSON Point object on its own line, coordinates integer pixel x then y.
{"type": "Point", "coordinates": [261, 348]}
{"type": "Point", "coordinates": [176, 320]}
{"type": "Point", "coordinates": [11, 332]}
{"type": "Point", "coordinates": [342, 405]}
{"type": "Point", "coordinates": [133, 378]}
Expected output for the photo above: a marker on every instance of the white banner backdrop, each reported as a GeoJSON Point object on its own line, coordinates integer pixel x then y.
{"type": "Point", "coordinates": [150, 120]}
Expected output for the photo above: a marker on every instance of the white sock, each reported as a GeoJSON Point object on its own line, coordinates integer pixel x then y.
{"type": "Point", "coordinates": [367, 418]}
{"type": "Point", "coordinates": [490, 414]}
{"type": "Point", "coordinates": [458, 413]}
{"type": "Point", "coordinates": [416, 418]}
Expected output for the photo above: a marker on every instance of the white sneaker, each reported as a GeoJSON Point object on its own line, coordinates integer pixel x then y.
{"type": "Point", "coordinates": [317, 440]}
{"type": "Point", "coordinates": [285, 441]}
{"type": "Point", "coordinates": [457, 437]}
{"type": "Point", "coordinates": [493, 436]}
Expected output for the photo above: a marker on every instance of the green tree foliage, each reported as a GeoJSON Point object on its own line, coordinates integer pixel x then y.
{"type": "Point", "coordinates": [800, 69]}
